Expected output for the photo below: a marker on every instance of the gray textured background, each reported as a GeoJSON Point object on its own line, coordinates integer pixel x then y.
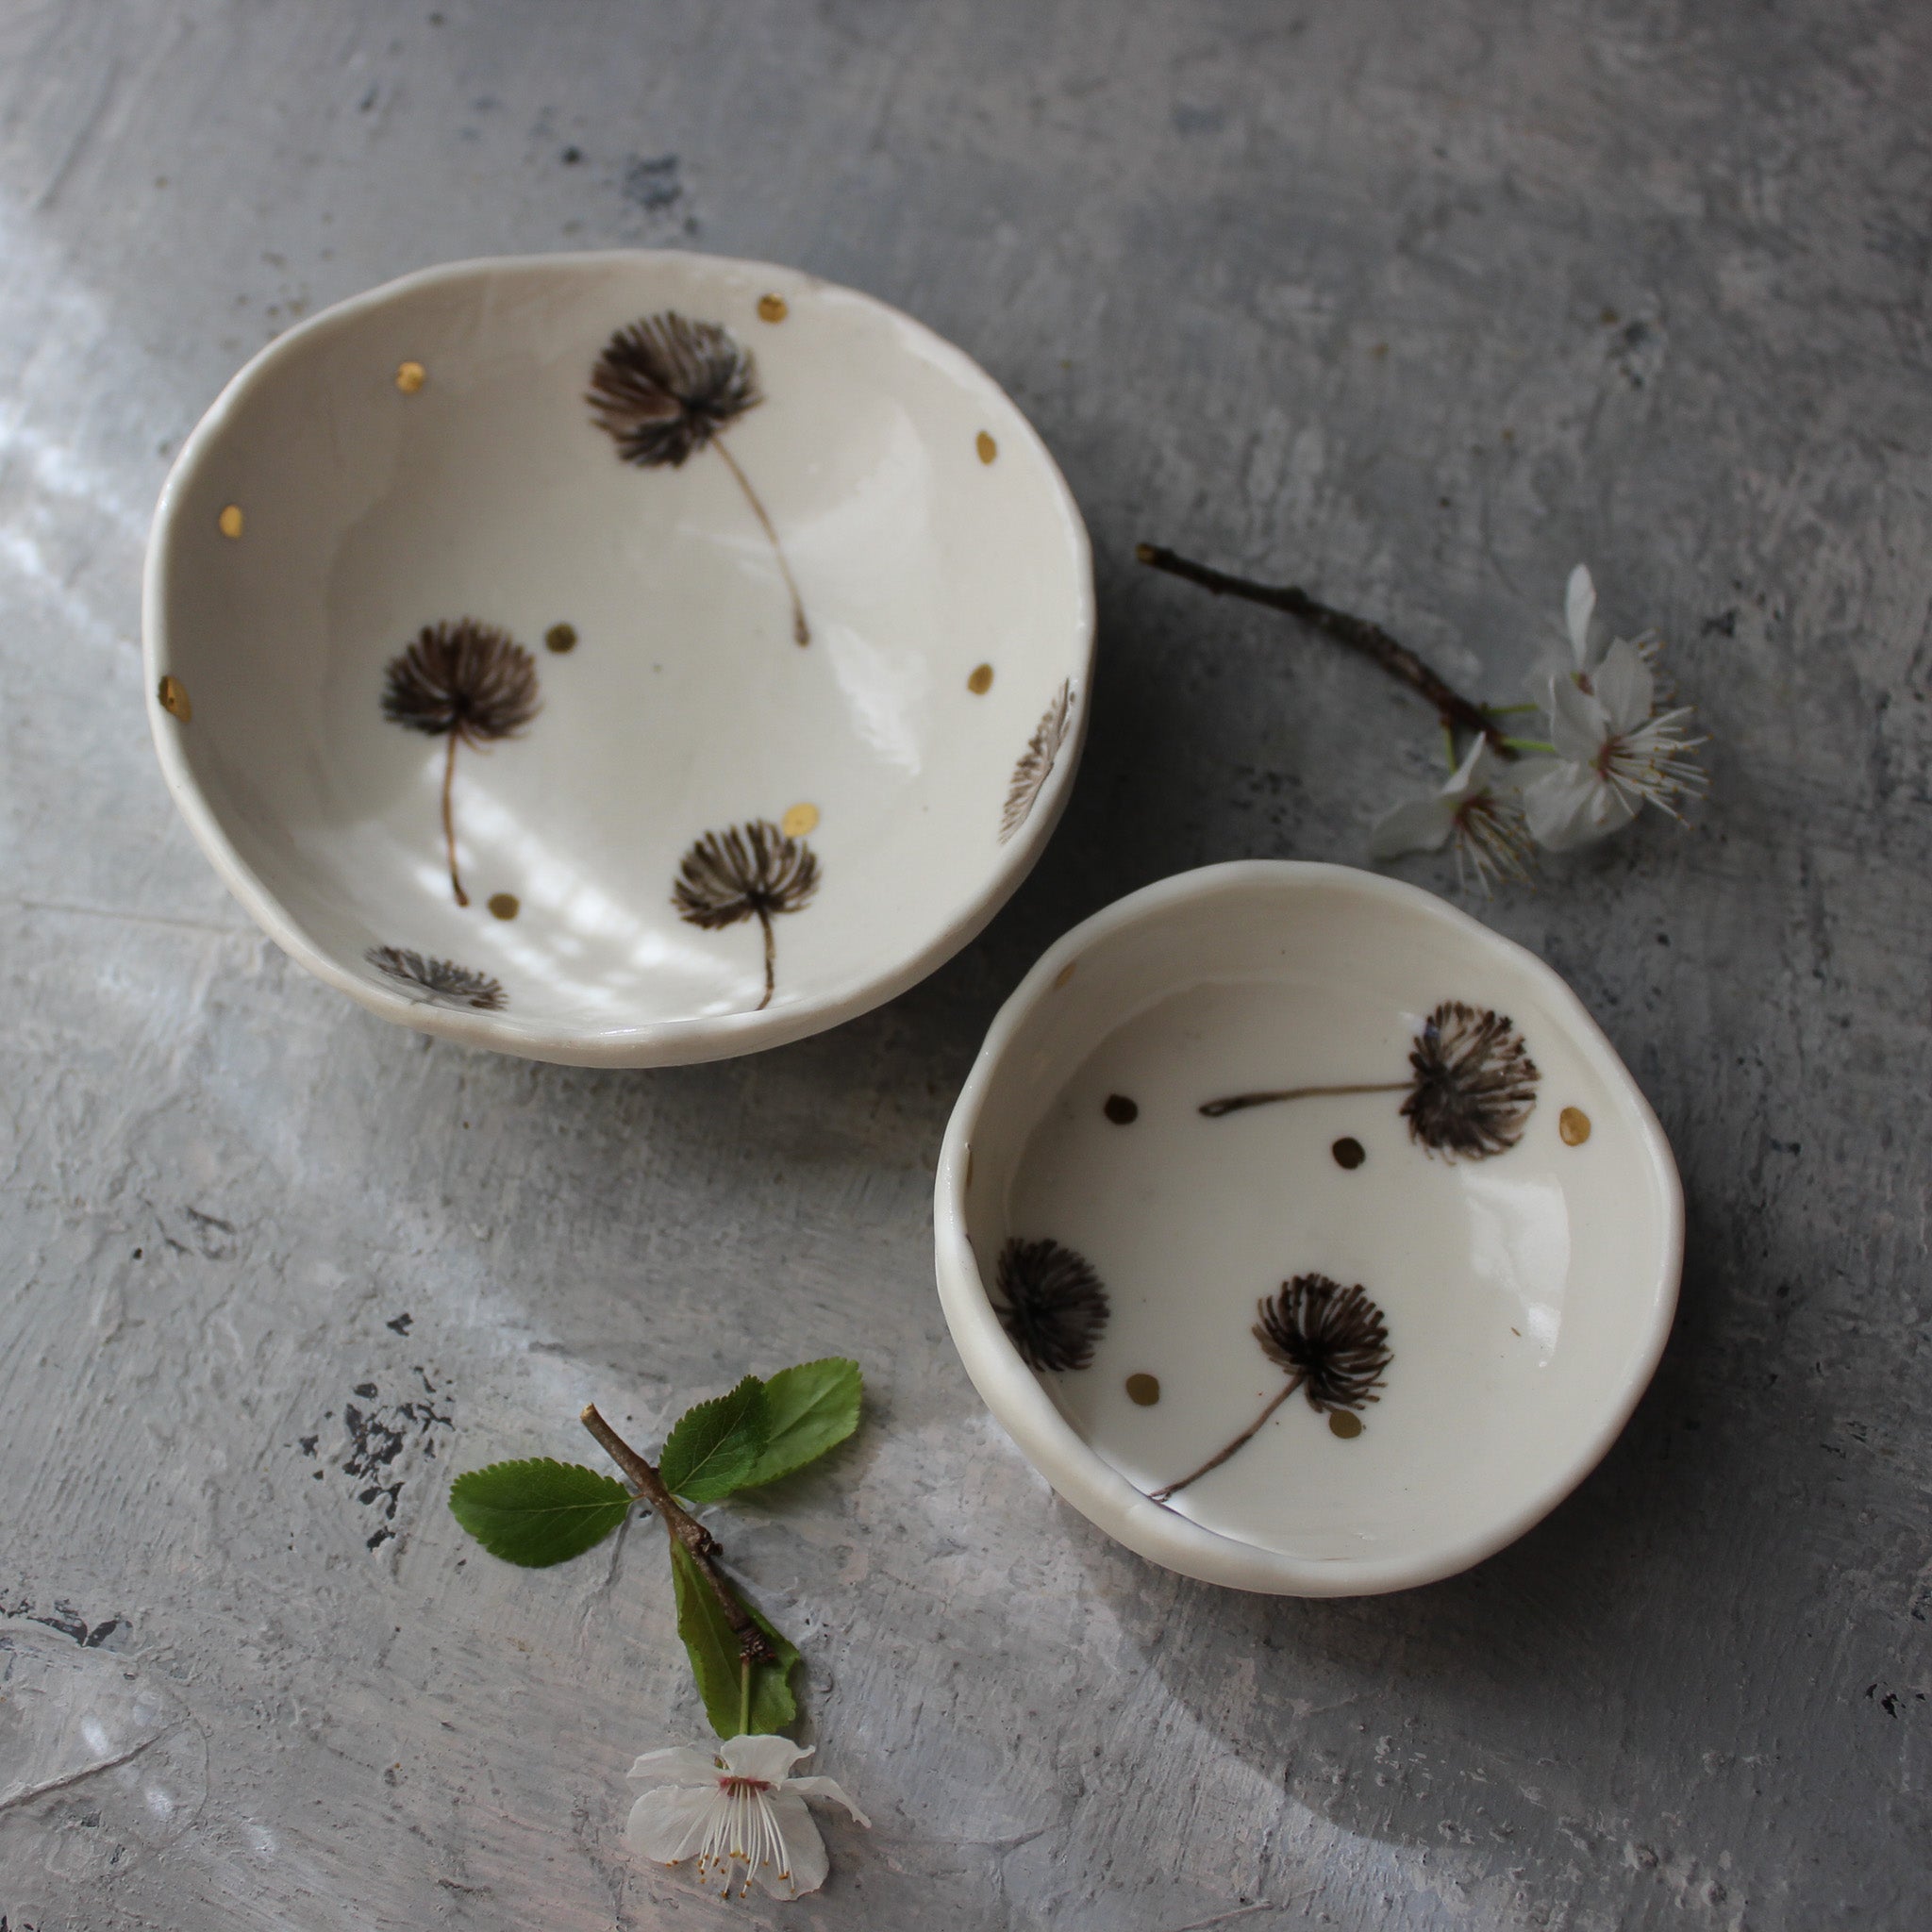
{"type": "Point", "coordinates": [1419, 304]}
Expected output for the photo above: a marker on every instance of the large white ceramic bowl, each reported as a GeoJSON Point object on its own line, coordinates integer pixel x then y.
{"type": "Point", "coordinates": [721, 637]}
{"type": "Point", "coordinates": [1469, 1234]}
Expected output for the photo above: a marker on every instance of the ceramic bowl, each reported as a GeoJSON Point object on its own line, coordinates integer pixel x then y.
{"type": "Point", "coordinates": [619, 660]}
{"type": "Point", "coordinates": [1303, 1146]}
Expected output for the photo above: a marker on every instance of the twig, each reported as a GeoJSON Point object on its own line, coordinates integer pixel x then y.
{"type": "Point", "coordinates": [1358, 633]}
{"type": "Point", "coordinates": [754, 1646]}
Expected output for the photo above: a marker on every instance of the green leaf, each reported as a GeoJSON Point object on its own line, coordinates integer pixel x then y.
{"type": "Point", "coordinates": [712, 1646]}
{"type": "Point", "coordinates": [538, 1512]}
{"type": "Point", "coordinates": [808, 1409]}
{"type": "Point", "coordinates": [716, 1444]}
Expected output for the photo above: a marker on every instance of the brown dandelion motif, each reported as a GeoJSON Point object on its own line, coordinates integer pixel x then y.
{"type": "Point", "coordinates": [1470, 1089]}
{"type": "Point", "coordinates": [1475, 1083]}
{"type": "Point", "coordinates": [666, 388]}
{"type": "Point", "coordinates": [1054, 1305]}
{"type": "Point", "coordinates": [1330, 1342]}
{"type": "Point", "coordinates": [438, 982]}
{"type": "Point", "coordinates": [751, 872]}
{"type": "Point", "coordinates": [1037, 762]}
{"type": "Point", "coordinates": [467, 682]}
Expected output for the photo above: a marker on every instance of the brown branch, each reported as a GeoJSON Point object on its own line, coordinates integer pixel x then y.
{"type": "Point", "coordinates": [1358, 633]}
{"type": "Point", "coordinates": [753, 1644]}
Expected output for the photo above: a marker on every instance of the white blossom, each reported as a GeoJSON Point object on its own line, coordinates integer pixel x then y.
{"type": "Point", "coordinates": [1476, 814]}
{"type": "Point", "coordinates": [1613, 748]}
{"type": "Point", "coordinates": [734, 1806]}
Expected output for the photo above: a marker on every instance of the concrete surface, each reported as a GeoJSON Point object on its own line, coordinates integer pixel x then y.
{"type": "Point", "coordinates": [1418, 304]}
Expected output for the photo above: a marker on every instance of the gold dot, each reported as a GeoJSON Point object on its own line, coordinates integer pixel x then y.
{"type": "Point", "coordinates": [981, 680]}
{"type": "Point", "coordinates": [505, 905]}
{"type": "Point", "coordinates": [1145, 1390]}
{"type": "Point", "coordinates": [174, 696]}
{"type": "Point", "coordinates": [987, 447]}
{"type": "Point", "coordinates": [1065, 974]}
{"type": "Point", "coordinates": [1345, 1424]}
{"type": "Point", "coordinates": [773, 309]}
{"type": "Point", "coordinates": [229, 522]}
{"type": "Point", "coordinates": [410, 377]}
{"type": "Point", "coordinates": [800, 819]}
{"type": "Point", "coordinates": [562, 637]}
{"type": "Point", "coordinates": [1573, 1124]}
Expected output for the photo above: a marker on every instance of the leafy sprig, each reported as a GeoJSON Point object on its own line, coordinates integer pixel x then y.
{"type": "Point", "coordinates": [538, 1511]}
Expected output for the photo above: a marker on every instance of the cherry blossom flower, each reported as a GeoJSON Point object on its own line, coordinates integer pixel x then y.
{"type": "Point", "coordinates": [737, 1809]}
{"type": "Point", "coordinates": [1476, 814]}
{"type": "Point", "coordinates": [1614, 749]}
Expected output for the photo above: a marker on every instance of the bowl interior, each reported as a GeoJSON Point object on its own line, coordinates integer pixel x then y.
{"type": "Point", "coordinates": [427, 456]}
{"type": "Point", "coordinates": [1524, 1290]}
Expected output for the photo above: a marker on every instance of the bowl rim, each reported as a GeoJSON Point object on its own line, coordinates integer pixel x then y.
{"type": "Point", "coordinates": [658, 1043]}
{"type": "Point", "coordinates": [1022, 1405]}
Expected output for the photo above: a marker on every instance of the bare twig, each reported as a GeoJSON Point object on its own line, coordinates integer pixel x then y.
{"type": "Point", "coordinates": [753, 1644]}
{"type": "Point", "coordinates": [1358, 633]}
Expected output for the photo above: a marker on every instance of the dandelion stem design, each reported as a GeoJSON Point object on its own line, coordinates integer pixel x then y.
{"type": "Point", "coordinates": [1332, 1341]}
{"type": "Point", "coordinates": [801, 631]}
{"type": "Point", "coordinates": [1234, 1102]}
{"type": "Point", "coordinates": [449, 822]}
{"type": "Point", "coordinates": [1054, 1305]}
{"type": "Point", "coordinates": [467, 682]}
{"type": "Point", "coordinates": [438, 982]}
{"type": "Point", "coordinates": [667, 386]}
{"type": "Point", "coordinates": [1472, 1084]}
{"type": "Point", "coordinates": [1037, 761]}
{"type": "Point", "coordinates": [752, 870]}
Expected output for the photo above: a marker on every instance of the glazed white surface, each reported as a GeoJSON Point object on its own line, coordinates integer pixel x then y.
{"type": "Point", "coordinates": [1527, 1295]}
{"type": "Point", "coordinates": [685, 706]}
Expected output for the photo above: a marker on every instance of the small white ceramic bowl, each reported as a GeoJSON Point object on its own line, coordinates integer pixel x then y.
{"type": "Point", "coordinates": [1468, 1237]}
{"type": "Point", "coordinates": [722, 638]}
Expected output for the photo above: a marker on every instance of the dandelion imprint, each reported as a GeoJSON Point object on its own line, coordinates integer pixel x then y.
{"type": "Point", "coordinates": [1330, 1342]}
{"type": "Point", "coordinates": [753, 871]}
{"type": "Point", "coordinates": [467, 682]}
{"type": "Point", "coordinates": [1037, 762]}
{"type": "Point", "coordinates": [438, 982]}
{"type": "Point", "coordinates": [1054, 1305]}
{"type": "Point", "coordinates": [1472, 1084]}
{"type": "Point", "coordinates": [666, 388]}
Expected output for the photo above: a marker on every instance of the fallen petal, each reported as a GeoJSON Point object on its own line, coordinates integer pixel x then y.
{"type": "Point", "coordinates": [680, 1762]}
{"type": "Point", "coordinates": [804, 1849]}
{"type": "Point", "coordinates": [1418, 824]}
{"type": "Point", "coordinates": [829, 1790]}
{"type": "Point", "coordinates": [667, 1825]}
{"type": "Point", "coordinates": [1580, 600]}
